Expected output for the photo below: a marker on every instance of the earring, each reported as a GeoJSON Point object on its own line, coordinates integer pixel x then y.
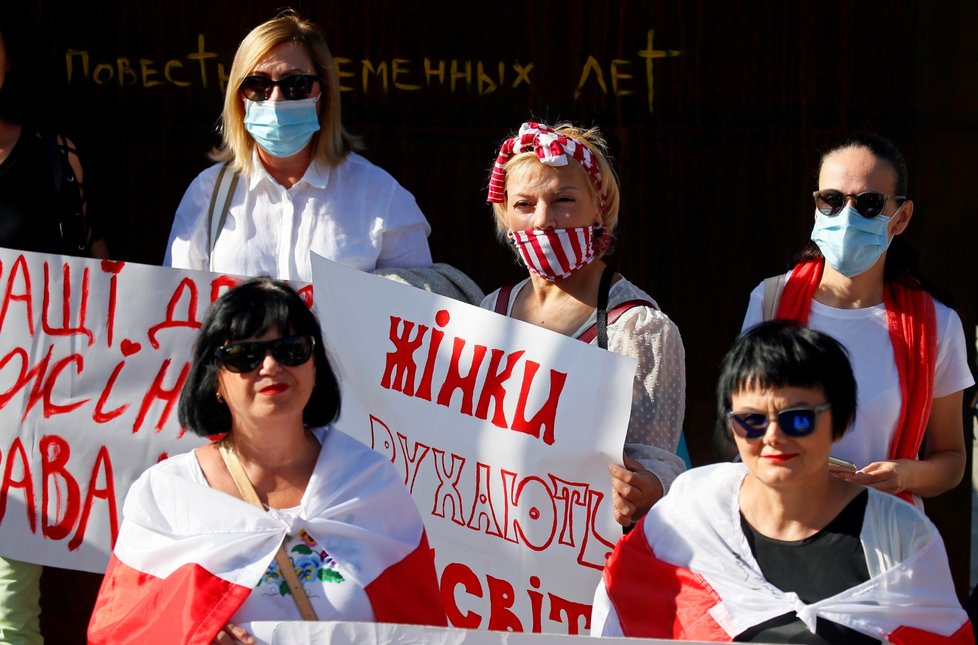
{"type": "Point", "coordinates": [217, 395]}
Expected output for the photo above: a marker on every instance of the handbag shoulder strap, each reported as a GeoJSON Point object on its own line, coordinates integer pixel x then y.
{"type": "Point", "coordinates": [248, 493]}
{"type": "Point", "coordinates": [502, 299]}
{"type": "Point", "coordinates": [607, 316]}
{"type": "Point", "coordinates": [773, 287]}
{"type": "Point", "coordinates": [222, 195]}
{"type": "Point", "coordinates": [604, 288]}
{"type": "Point", "coordinates": [614, 314]}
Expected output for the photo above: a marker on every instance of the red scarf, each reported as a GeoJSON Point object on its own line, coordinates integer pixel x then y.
{"type": "Point", "coordinates": [912, 323]}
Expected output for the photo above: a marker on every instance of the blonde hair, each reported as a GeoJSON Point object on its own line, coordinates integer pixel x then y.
{"type": "Point", "coordinates": [525, 162]}
{"type": "Point", "coordinates": [331, 143]}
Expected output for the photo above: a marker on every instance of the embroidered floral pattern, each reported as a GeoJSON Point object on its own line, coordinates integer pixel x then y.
{"type": "Point", "coordinates": [311, 563]}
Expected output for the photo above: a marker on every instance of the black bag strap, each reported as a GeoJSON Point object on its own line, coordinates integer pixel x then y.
{"type": "Point", "coordinates": [602, 312]}
{"type": "Point", "coordinates": [614, 314]}
{"type": "Point", "coordinates": [607, 316]}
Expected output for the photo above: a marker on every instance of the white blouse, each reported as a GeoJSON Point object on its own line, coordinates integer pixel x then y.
{"type": "Point", "coordinates": [659, 388]}
{"type": "Point", "coordinates": [353, 213]}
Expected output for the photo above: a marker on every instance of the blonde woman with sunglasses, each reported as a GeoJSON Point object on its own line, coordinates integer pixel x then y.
{"type": "Point", "coordinates": [858, 282]}
{"type": "Point", "coordinates": [289, 181]}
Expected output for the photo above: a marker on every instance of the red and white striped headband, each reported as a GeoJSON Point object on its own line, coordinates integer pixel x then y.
{"type": "Point", "coordinates": [551, 148]}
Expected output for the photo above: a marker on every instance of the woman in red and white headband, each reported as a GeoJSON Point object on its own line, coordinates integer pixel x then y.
{"type": "Point", "coordinates": [555, 198]}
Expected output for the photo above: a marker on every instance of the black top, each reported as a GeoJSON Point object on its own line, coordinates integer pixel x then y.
{"type": "Point", "coordinates": [28, 200]}
{"type": "Point", "coordinates": [818, 567]}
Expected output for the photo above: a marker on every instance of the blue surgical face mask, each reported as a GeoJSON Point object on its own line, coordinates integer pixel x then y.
{"type": "Point", "coordinates": [282, 128]}
{"type": "Point", "coordinates": [850, 242]}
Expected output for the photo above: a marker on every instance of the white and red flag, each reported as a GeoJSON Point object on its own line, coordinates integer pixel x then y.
{"type": "Point", "coordinates": [188, 556]}
{"type": "Point", "coordinates": [687, 572]}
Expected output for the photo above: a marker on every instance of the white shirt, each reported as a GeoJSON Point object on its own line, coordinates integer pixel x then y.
{"type": "Point", "coordinates": [864, 334]}
{"type": "Point", "coordinates": [353, 213]}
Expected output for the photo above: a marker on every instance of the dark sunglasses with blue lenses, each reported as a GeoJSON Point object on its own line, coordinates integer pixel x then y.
{"type": "Point", "coordinates": [294, 87]}
{"type": "Point", "coordinates": [245, 357]}
{"type": "Point", "coordinates": [794, 422]}
{"type": "Point", "coordinates": [869, 204]}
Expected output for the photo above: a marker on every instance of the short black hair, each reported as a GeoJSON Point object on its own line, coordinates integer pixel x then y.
{"type": "Point", "coordinates": [248, 310]}
{"type": "Point", "coordinates": [782, 353]}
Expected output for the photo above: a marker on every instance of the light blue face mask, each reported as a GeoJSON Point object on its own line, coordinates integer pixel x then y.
{"type": "Point", "coordinates": [850, 242]}
{"type": "Point", "coordinates": [282, 128]}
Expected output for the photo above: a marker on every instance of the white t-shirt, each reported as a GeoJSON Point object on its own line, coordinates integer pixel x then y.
{"type": "Point", "coordinates": [353, 213]}
{"type": "Point", "coordinates": [864, 334]}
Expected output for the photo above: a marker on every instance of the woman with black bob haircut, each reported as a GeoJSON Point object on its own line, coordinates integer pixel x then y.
{"type": "Point", "coordinates": [776, 549]}
{"type": "Point", "coordinates": [774, 356]}
{"type": "Point", "coordinates": [284, 518]}
{"type": "Point", "coordinates": [249, 311]}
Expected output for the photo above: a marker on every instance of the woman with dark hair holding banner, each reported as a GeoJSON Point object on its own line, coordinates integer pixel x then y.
{"type": "Point", "coordinates": [858, 282]}
{"type": "Point", "coordinates": [284, 518]}
{"type": "Point", "coordinates": [776, 549]}
{"type": "Point", "coordinates": [555, 200]}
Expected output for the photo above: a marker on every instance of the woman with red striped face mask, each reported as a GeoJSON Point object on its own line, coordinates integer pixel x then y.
{"type": "Point", "coordinates": [555, 199]}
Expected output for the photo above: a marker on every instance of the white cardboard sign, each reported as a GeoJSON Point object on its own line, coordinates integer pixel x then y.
{"type": "Point", "coordinates": [92, 358]}
{"type": "Point", "coordinates": [503, 432]}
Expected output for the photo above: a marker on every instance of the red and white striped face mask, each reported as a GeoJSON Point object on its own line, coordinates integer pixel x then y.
{"type": "Point", "coordinates": [555, 253]}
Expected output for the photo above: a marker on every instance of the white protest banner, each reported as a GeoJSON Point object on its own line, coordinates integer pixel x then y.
{"type": "Point", "coordinates": [503, 432]}
{"type": "Point", "coordinates": [92, 358]}
{"type": "Point", "coordinates": [348, 633]}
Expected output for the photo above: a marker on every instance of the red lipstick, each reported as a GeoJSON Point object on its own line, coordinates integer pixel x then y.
{"type": "Point", "coordinates": [780, 458]}
{"type": "Point", "coordinates": [273, 389]}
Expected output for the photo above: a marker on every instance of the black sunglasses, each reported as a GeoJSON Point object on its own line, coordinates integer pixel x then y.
{"type": "Point", "coordinates": [794, 422]}
{"type": "Point", "coordinates": [245, 357]}
{"type": "Point", "coordinates": [294, 87]}
{"type": "Point", "coordinates": [868, 204]}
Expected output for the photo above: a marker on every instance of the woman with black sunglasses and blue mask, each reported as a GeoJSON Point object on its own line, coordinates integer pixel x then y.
{"type": "Point", "coordinates": [858, 282]}
{"type": "Point", "coordinates": [289, 181]}
{"type": "Point", "coordinates": [283, 518]}
{"type": "Point", "coordinates": [776, 549]}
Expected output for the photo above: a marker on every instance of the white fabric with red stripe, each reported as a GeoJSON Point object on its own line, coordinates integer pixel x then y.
{"type": "Point", "coordinates": [697, 527]}
{"type": "Point", "coordinates": [555, 253]}
{"type": "Point", "coordinates": [551, 148]}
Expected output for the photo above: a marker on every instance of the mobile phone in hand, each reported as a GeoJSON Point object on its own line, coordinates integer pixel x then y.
{"type": "Point", "coordinates": [837, 464]}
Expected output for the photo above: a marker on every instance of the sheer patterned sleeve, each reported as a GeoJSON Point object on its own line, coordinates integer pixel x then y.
{"type": "Point", "coordinates": [658, 391]}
